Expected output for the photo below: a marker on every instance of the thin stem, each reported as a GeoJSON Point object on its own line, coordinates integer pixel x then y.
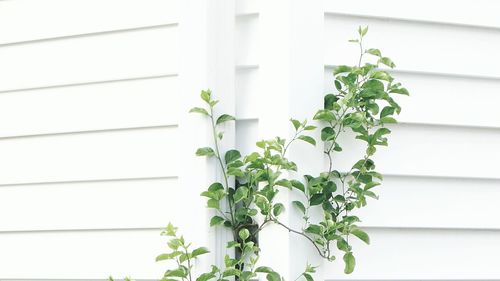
{"type": "Point", "coordinates": [223, 168]}
{"type": "Point", "coordinates": [189, 263]}
{"type": "Point", "coordinates": [303, 234]}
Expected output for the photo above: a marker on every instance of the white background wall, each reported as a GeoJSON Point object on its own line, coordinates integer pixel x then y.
{"type": "Point", "coordinates": [93, 101]}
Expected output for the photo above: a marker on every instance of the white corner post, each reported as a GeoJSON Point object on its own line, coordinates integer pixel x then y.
{"type": "Point", "coordinates": [206, 36]}
{"type": "Point", "coordinates": [291, 73]}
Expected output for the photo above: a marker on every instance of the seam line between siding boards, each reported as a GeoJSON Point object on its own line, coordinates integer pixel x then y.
{"type": "Point", "coordinates": [431, 228]}
{"type": "Point", "coordinates": [247, 15]}
{"type": "Point", "coordinates": [432, 73]}
{"type": "Point", "coordinates": [74, 279]}
{"type": "Point", "coordinates": [7, 232]}
{"type": "Point", "coordinates": [90, 83]}
{"type": "Point", "coordinates": [88, 181]}
{"type": "Point", "coordinates": [410, 20]}
{"type": "Point", "coordinates": [404, 279]}
{"type": "Point", "coordinates": [90, 34]}
{"type": "Point", "coordinates": [90, 131]}
{"type": "Point", "coordinates": [389, 228]}
{"type": "Point", "coordinates": [239, 67]}
{"type": "Point", "coordinates": [449, 125]}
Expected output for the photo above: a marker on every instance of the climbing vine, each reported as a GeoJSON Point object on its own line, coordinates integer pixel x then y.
{"type": "Point", "coordinates": [245, 201]}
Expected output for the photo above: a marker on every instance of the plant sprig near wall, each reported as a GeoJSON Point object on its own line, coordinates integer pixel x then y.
{"type": "Point", "coordinates": [245, 201]}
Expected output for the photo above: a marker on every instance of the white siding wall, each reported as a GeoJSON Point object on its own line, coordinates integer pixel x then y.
{"type": "Point", "coordinates": [90, 110]}
{"type": "Point", "coordinates": [437, 215]}
{"type": "Point", "coordinates": [93, 100]}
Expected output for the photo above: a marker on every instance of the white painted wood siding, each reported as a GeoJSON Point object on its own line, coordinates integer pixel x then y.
{"type": "Point", "coordinates": [437, 214]}
{"type": "Point", "coordinates": [91, 119]}
{"type": "Point", "coordinates": [93, 109]}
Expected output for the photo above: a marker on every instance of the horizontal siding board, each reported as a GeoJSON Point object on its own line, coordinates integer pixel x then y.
{"type": "Point", "coordinates": [415, 150]}
{"type": "Point", "coordinates": [140, 53]}
{"type": "Point", "coordinates": [142, 203]}
{"type": "Point", "coordinates": [56, 18]}
{"type": "Point", "coordinates": [443, 99]}
{"type": "Point", "coordinates": [122, 104]}
{"type": "Point", "coordinates": [82, 255]}
{"type": "Point", "coordinates": [456, 12]}
{"type": "Point", "coordinates": [454, 49]}
{"type": "Point", "coordinates": [246, 40]}
{"type": "Point", "coordinates": [396, 254]}
{"type": "Point", "coordinates": [434, 203]}
{"type": "Point", "coordinates": [90, 156]}
{"type": "Point", "coordinates": [430, 150]}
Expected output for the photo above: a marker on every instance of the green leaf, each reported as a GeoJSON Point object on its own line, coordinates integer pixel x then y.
{"type": "Point", "coordinates": [264, 269]}
{"type": "Point", "coordinates": [342, 245]}
{"type": "Point", "coordinates": [375, 52]}
{"type": "Point", "coordinates": [324, 115]}
{"type": "Point", "coordinates": [262, 203]}
{"type": "Point", "coordinates": [296, 123]}
{"type": "Point", "coordinates": [170, 230]}
{"type": "Point", "coordinates": [308, 277]}
{"type": "Point", "coordinates": [380, 132]}
{"type": "Point", "coordinates": [244, 234]}
{"type": "Point", "coordinates": [163, 257]}
{"type": "Point", "coordinates": [278, 209]}
{"type": "Point", "coordinates": [374, 85]}
{"type": "Point", "coordinates": [232, 155]}
{"type": "Point", "coordinates": [338, 86]}
{"type": "Point", "coordinates": [298, 185]}
{"type": "Point", "coordinates": [299, 206]}
{"type": "Point", "coordinates": [231, 272]}
{"type": "Point", "coordinates": [205, 276]}
{"type": "Point", "coordinates": [329, 100]}
{"type": "Point", "coordinates": [212, 203]}
{"type": "Point", "coordinates": [362, 30]}
{"type": "Point", "coordinates": [314, 229]}
{"type": "Point", "coordinates": [216, 186]}
{"type": "Point", "coordinates": [387, 61]}
{"type": "Point", "coordinates": [350, 263]}
{"type": "Point", "coordinates": [199, 110]}
{"type": "Point", "coordinates": [371, 185]}
{"type": "Point", "coordinates": [370, 150]}
{"type": "Point", "coordinates": [388, 120]}
{"type": "Point", "coordinates": [317, 199]}
{"type": "Point", "coordinates": [381, 75]}
{"type": "Point", "coordinates": [341, 69]}
{"type": "Point", "coordinates": [285, 183]}
{"type": "Point", "coordinates": [205, 95]}
{"type": "Point", "coordinates": [273, 276]}
{"type": "Point", "coordinates": [363, 236]}
{"type": "Point", "coordinates": [388, 110]}
{"type": "Point", "coordinates": [224, 118]}
{"type": "Point", "coordinates": [216, 220]}
{"type": "Point", "coordinates": [179, 272]}
{"type": "Point", "coordinates": [199, 251]}
{"type": "Point", "coordinates": [309, 128]}
{"type": "Point", "coordinates": [205, 151]}
{"type": "Point", "coordinates": [327, 134]}
{"type": "Point", "coordinates": [232, 244]}
{"type": "Point", "coordinates": [402, 91]}
{"type": "Point", "coordinates": [240, 194]}
{"type": "Point", "coordinates": [307, 139]}
{"type": "Point", "coordinates": [339, 198]}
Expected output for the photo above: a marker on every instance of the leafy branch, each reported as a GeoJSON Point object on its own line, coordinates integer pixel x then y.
{"type": "Point", "coordinates": [363, 105]}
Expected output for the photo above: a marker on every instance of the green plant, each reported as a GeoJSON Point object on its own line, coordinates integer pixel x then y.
{"type": "Point", "coordinates": [362, 105]}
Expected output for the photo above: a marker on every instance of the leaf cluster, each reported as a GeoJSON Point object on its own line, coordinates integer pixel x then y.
{"type": "Point", "coordinates": [362, 105]}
